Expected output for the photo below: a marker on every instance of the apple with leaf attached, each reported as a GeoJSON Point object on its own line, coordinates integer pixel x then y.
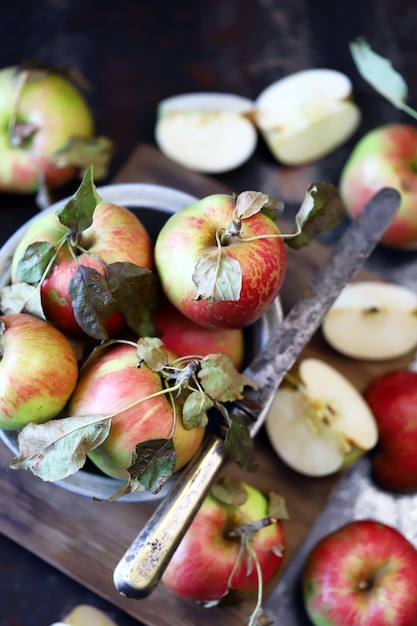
{"type": "Point", "coordinates": [361, 574]}
{"type": "Point", "coordinates": [319, 422]}
{"type": "Point", "coordinates": [139, 413]}
{"type": "Point", "coordinates": [48, 129]}
{"type": "Point", "coordinates": [222, 260]}
{"type": "Point", "coordinates": [87, 268]}
{"type": "Point", "coordinates": [39, 371]}
{"type": "Point", "coordinates": [392, 398]}
{"type": "Point", "coordinates": [386, 155]}
{"type": "Point", "coordinates": [233, 548]}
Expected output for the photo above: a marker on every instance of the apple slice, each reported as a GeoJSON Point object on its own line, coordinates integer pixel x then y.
{"type": "Point", "coordinates": [322, 424]}
{"type": "Point", "coordinates": [207, 132]}
{"type": "Point", "coordinates": [372, 320]}
{"type": "Point", "coordinates": [307, 115]}
{"type": "Point", "coordinates": [86, 615]}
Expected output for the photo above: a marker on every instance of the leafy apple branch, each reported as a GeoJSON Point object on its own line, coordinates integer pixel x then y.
{"type": "Point", "coordinates": [232, 493]}
{"type": "Point", "coordinates": [94, 295]}
{"type": "Point", "coordinates": [59, 447]}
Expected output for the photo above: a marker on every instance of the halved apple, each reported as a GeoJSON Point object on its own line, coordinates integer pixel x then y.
{"type": "Point", "coordinates": [372, 320]}
{"type": "Point", "coordinates": [206, 132]}
{"type": "Point", "coordinates": [322, 423]}
{"type": "Point", "coordinates": [307, 115]}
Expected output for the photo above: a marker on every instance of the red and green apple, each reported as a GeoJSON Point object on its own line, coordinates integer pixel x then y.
{"type": "Point", "coordinates": [385, 157]}
{"type": "Point", "coordinates": [217, 269]}
{"type": "Point", "coordinates": [113, 384]}
{"type": "Point", "coordinates": [208, 563]}
{"type": "Point", "coordinates": [39, 371]}
{"type": "Point", "coordinates": [363, 573]}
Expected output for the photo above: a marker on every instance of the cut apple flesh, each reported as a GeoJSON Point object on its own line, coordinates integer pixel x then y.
{"type": "Point", "coordinates": [206, 132]}
{"type": "Point", "coordinates": [372, 320]}
{"type": "Point", "coordinates": [307, 115]}
{"type": "Point", "coordinates": [321, 425]}
{"type": "Point", "coordinates": [86, 615]}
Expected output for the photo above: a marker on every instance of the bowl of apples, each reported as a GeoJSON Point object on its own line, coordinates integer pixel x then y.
{"type": "Point", "coordinates": [103, 339]}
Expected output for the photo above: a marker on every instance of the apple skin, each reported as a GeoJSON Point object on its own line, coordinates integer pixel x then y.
{"type": "Point", "coordinates": [362, 574]}
{"type": "Point", "coordinates": [38, 368]}
{"type": "Point", "coordinates": [201, 566]}
{"type": "Point", "coordinates": [115, 235]}
{"type": "Point", "coordinates": [58, 111]}
{"type": "Point", "coordinates": [190, 233]}
{"type": "Point", "coordinates": [113, 381]}
{"type": "Point", "coordinates": [185, 337]}
{"type": "Point", "coordinates": [392, 397]}
{"type": "Point", "coordinates": [384, 157]}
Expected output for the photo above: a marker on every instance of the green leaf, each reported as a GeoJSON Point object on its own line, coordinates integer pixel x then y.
{"type": "Point", "coordinates": [194, 412]}
{"type": "Point", "coordinates": [239, 444]}
{"type": "Point", "coordinates": [154, 463]}
{"type": "Point", "coordinates": [277, 507]}
{"type": "Point", "coordinates": [249, 203]}
{"type": "Point", "coordinates": [21, 298]}
{"type": "Point", "coordinates": [91, 301]}
{"type": "Point", "coordinates": [58, 448]}
{"type": "Point", "coordinates": [152, 351]}
{"type": "Point", "coordinates": [77, 213]}
{"type": "Point", "coordinates": [135, 290]}
{"type": "Point", "coordinates": [85, 152]}
{"type": "Point", "coordinates": [380, 74]}
{"type": "Point", "coordinates": [230, 491]}
{"type": "Point", "coordinates": [321, 210]}
{"type": "Point", "coordinates": [221, 380]}
{"type": "Point", "coordinates": [217, 277]}
{"type": "Point", "coordinates": [33, 264]}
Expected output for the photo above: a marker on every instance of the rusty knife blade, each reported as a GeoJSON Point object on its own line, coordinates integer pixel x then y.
{"type": "Point", "coordinates": [143, 564]}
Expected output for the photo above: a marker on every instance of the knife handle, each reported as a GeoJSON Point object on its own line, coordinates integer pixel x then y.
{"type": "Point", "coordinates": [143, 564]}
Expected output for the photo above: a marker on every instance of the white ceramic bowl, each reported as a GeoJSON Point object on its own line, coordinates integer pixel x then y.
{"type": "Point", "coordinates": [153, 204]}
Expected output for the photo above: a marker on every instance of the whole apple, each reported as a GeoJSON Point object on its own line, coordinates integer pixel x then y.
{"type": "Point", "coordinates": [392, 397]}
{"type": "Point", "coordinates": [362, 574]}
{"type": "Point", "coordinates": [185, 337]}
{"type": "Point", "coordinates": [207, 563]}
{"type": "Point", "coordinates": [193, 234]}
{"type": "Point", "coordinates": [38, 119]}
{"type": "Point", "coordinates": [113, 383]}
{"type": "Point", "coordinates": [385, 157]}
{"type": "Point", "coordinates": [38, 369]}
{"type": "Point", "coordinates": [115, 235]}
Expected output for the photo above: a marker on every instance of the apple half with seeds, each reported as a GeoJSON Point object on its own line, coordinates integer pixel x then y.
{"type": "Point", "coordinates": [373, 321]}
{"type": "Point", "coordinates": [206, 132]}
{"type": "Point", "coordinates": [321, 423]}
{"type": "Point", "coordinates": [306, 115]}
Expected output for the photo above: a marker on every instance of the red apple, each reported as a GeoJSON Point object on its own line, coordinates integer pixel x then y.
{"type": "Point", "coordinates": [392, 398]}
{"type": "Point", "coordinates": [385, 157]}
{"type": "Point", "coordinates": [362, 574]}
{"type": "Point", "coordinates": [39, 117]}
{"type": "Point", "coordinates": [38, 370]}
{"type": "Point", "coordinates": [256, 254]}
{"type": "Point", "coordinates": [115, 235]}
{"type": "Point", "coordinates": [202, 566]}
{"type": "Point", "coordinates": [185, 337]}
{"type": "Point", "coordinates": [112, 382]}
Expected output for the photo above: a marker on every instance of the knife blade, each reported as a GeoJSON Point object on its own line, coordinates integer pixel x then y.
{"type": "Point", "coordinates": [141, 567]}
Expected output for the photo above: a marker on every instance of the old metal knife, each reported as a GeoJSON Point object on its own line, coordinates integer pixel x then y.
{"type": "Point", "coordinates": [143, 564]}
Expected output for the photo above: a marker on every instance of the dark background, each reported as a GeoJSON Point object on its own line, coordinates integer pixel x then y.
{"type": "Point", "coordinates": [135, 53]}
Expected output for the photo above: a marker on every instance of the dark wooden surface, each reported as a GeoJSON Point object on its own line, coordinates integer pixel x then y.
{"type": "Point", "coordinates": [135, 53]}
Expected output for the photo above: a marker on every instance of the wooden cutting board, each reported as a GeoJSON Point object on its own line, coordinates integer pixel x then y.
{"type": "Point", "coordinates": [85, 539]}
